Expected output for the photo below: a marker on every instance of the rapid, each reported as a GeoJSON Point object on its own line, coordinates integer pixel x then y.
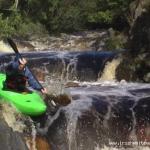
{"type": "Point", "coordinates": [104, 114]}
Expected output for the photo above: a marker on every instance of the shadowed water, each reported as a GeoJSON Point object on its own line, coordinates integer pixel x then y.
{"type": "Point", "coordinates": [102, 114]}
{"type": "Point", "coordinates": [83, 66]}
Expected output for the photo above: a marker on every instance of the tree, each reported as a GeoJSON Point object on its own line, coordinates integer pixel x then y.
{"type": "Point", "coordinates": [16, 4]}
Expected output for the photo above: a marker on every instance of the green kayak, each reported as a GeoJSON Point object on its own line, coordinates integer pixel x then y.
{"type": "Point", "coordinates": [27, 103]}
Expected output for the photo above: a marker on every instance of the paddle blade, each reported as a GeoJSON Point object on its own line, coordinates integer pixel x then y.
{"type": "Point", "coordinates": [13, 45]}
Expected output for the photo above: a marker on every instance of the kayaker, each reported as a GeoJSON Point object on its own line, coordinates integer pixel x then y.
{"type": "Point", "coordinates": [17, 76]}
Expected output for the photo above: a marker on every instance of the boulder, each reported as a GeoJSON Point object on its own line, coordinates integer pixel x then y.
{"type": "Point", "coordinates": [10, 140]}
{"type": "Point", "coordinates": [136, 62]}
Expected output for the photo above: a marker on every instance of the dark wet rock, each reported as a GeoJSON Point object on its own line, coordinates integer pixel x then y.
{"type": "Point", "coordinates": [99, 115]}
{"type": "Point", "coordinates": [10, 140]}
{"type": "Point", "coordinates": [136, 62]}
{"type": "Point", "coordinates": [139, 92]}
{"type": "Point", "coordinates": [71, 84]}
{"type": "Point", "coordinates": [57, 134]}
{"type": "Point", "coordinates": [143, 119]}
{"type": "Point", "coordinates": [61, 99]}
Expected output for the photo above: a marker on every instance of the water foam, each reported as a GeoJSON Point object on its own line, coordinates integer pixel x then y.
{"type": "Point", "coordinates": [4, 47]}
{"type": "Point", "coordinates": [109, 72]}
{"type": "Point", "coordinates": [73, 111]}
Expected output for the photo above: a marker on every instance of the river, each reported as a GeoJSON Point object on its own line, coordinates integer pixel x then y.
{"type": "Point", "coordinates": [103, 113]}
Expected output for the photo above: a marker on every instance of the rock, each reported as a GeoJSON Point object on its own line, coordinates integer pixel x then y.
{"type": "Point", "coordinates": [62, 99]}
{"type": "Point", "coordinates": [72, 84]}
{"type": "Point", "coordinates": [4, 47]}
{"type": "Point", "coordinates": [83, 41]}
{"type": "Point", "coordinates": [147, 77]}
{"type": "Point", "coordinates": [116, 41]}
{"type": "Point", "coordinates": [135, 65]}
{"type": "Point", "coordinates": [40, 143]}
{"type": "Point", "coordinates": [10, 140]}
{"type": "Point", "coordinates": [103, 114]}
{"type": "Point", "coordinates": [24, 46]}
{"type": "Point", "coordinates": [137, 7]}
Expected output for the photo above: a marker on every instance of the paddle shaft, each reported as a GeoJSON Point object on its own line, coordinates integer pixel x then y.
{"type": "Point", "coordinates": [14, 47]}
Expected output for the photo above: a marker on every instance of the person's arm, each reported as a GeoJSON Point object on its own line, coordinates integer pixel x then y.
{"type": "Point", "coordinates": [33, 83]}
{"type": "Point", "coordinates": [19, 66]}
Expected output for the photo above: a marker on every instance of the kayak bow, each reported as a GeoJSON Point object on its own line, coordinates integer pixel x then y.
{"type": "Point", "coordinates": [27, 103]}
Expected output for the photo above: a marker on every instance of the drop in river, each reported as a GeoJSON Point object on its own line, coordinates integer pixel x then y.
{"type": "Point", "coordinates": [103, 113]}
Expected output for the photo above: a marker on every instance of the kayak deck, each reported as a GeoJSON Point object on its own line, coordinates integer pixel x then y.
{"type": "Point", "coordinates": [27, 103]}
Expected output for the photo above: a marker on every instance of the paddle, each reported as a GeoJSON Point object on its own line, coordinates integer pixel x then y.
{"type": "Point", "coordinates": [62, 99]}
{"type": "Point", "coordinates": [14, 47]}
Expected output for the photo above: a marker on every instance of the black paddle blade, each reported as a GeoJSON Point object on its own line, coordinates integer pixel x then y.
{"type": "Point", "coordinates": [13, 45]}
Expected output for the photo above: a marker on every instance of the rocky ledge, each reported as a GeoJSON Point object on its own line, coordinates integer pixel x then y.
{"type": "Point", "coordinates": [83, 41]}
{"type": "Point", "coordinates": [136, 62]}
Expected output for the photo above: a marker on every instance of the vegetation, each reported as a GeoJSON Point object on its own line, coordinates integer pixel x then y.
{"type": "Point", "coordinates": [26, 17]}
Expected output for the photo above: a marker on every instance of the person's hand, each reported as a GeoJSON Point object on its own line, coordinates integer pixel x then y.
{"type": "Point", "coordinates": [22, 63]}
{"type": "Point", "coordinates": [44, 91]}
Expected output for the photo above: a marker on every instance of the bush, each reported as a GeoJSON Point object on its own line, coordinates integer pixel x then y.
{"type": "Point", "coordinates": [30, 16]}
{"type": "Point", "coordinates": [5, 28]}
{"type": "Point", "coordinates": [101, 17]}
{"type": "Point", "coordinates": [17, 25]}
{"type": "Point", "coordinates": [116, 41]}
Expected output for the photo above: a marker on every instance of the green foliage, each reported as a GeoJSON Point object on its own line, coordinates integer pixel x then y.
{"type": "Point", "coordinates": [5, 28]}
{"type": "Point", "coordinates": [101, 16]}
{"type": "Point", "coordinates": [72, 15]}
{"type": "Point", "coordinates": [16, 25]}
{"type": "Point", "coordinates": [115, 43]}
{"type": "Point", "coordinates": [108, 10]}
{"type": "Point", "coordinates": [57, 15]}
{"type": "Point", "coordinates": [5, 4]}
{"type": "Point", "coordinates": [116, 40]}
